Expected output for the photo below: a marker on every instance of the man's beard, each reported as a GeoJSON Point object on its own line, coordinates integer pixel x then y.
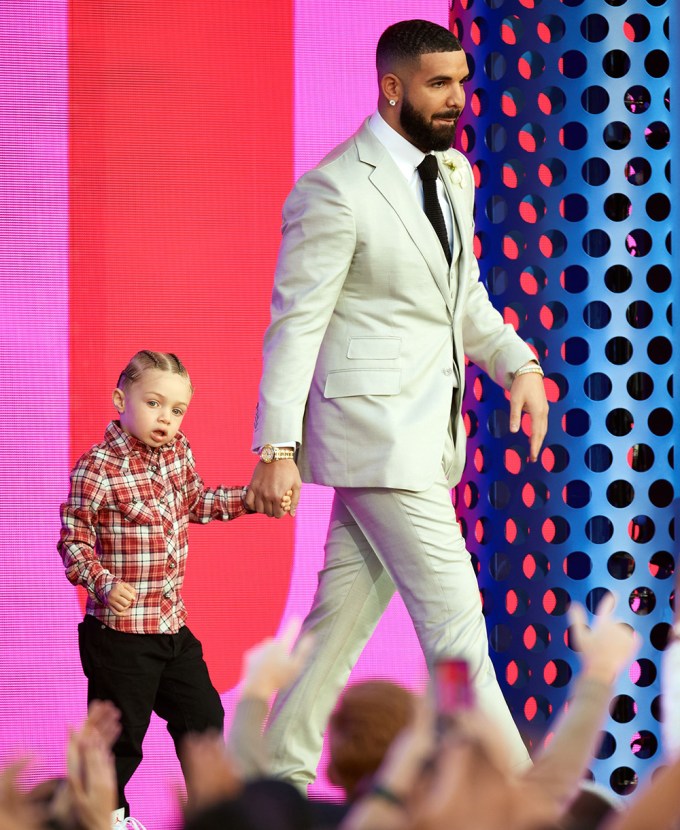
{"type": "Point", "coordinates": [426, 135]}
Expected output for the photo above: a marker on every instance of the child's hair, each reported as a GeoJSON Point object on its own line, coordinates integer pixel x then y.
{"type": "Point", "coordinates": [146, 359]}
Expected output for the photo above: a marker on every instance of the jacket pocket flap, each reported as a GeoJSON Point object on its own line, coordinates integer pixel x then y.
{"type": "Point", "coordinates": [348, 382]}
{"type": "Point", "coordinates": [374, 348]}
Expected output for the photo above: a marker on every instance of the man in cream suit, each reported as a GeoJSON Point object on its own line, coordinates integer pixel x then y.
{"type": "Point", "coordinates": [363, 381]}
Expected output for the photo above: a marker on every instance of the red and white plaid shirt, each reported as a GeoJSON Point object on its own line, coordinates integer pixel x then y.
{"type": "Point", "coordinates": [127, 519]}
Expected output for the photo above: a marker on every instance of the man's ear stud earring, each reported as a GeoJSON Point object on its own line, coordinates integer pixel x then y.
{"type": "Point", "coordinates": [392, 102]}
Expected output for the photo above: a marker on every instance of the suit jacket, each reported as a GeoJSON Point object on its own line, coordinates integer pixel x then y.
{"type": "Point", "coordinates": [364, 356]}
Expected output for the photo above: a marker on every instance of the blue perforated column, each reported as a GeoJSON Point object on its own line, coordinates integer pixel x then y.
{"type": "Point", "coordinates": [568, 129]}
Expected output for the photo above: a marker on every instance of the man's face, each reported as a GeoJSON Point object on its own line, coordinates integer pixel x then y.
{"type": "Point", "coordinates": [433, 100]}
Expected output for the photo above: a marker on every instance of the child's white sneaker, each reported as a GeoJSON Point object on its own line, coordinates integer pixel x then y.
{"type": "Point", "coordinates": [119, 822]}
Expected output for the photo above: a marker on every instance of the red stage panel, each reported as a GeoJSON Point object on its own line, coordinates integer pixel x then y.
{"type": "Point", "coordinates": [180, 161]}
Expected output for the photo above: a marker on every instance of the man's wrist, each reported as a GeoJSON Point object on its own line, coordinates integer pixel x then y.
{"type": "Point", "coordinates": [604, 675]}
{"type": "Point", "coordinates": [530, 368]}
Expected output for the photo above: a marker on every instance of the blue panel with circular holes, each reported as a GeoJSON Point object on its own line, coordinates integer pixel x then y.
{"type": "Point", "coordinates": [568, 129]}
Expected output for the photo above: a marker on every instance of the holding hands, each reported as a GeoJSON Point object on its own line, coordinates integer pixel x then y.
{"type": "Point", "coordinates": [274, 488]}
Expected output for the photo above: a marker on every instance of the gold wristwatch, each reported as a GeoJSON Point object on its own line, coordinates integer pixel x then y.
{"type": "Point", "coordinates": [269, 453]}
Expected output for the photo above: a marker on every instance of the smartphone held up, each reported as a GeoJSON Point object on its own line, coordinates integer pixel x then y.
{"type": "Point", "coordinates": [454, 694]}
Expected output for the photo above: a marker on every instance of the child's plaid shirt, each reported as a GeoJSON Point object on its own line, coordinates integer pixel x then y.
{"type": "Point", "coordinates": [127, 519]}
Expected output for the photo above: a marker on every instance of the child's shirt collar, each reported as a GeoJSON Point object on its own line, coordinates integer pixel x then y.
{"type": "Point", "coordinates": [123, 444]}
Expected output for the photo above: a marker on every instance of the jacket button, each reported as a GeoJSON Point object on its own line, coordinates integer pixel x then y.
{"type": "Point", "coordinates": [448, 371]}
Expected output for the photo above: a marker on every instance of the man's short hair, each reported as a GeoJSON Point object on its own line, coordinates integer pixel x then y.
{"type": "Point", "coordinates": [407, 40]}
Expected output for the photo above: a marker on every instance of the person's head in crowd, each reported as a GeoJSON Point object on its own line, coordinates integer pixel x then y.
{"type": "Point", "coordinates": [366, 720]}
{"type": "Point", "coordinates": [262, 804]}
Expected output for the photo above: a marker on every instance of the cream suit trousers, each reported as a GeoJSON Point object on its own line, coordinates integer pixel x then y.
{"type": "Point", "coordinates": [379, 539]}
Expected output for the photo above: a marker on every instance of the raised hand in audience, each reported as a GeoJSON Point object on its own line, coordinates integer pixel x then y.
{"type": "Point", "coordinates": [605, 649]}
{"type": "Point", "coordinates": [91, 779]}
{"type": "Point", "coordinates": [275, 662]}
{"type": "Point", "coordinates": [103, 719]}
{"type": "Point", "coordinates": [210, 772]}
{"type": "Point", "coordinates": [215, 772]}
{"type": "Point", "coordinates": [16, 811]}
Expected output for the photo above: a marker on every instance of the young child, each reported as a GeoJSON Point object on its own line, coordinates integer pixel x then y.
{"type": "Point", "coordinates": [124, 538]}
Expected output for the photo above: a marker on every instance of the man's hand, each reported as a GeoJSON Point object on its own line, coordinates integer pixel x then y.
{"type": "Point", "coordinates": [527, 394]}
{"type": "Point", "coordinates": [120, 598]}
{"type": "Point", "coordinates": [270, 483]}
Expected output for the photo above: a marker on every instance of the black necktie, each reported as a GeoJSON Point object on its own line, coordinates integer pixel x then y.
{"type": "Point", "coordinates": [428, 170]}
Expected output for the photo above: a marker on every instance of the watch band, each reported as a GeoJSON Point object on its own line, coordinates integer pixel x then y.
{"type": "Point", "coordinates": [283, 452]}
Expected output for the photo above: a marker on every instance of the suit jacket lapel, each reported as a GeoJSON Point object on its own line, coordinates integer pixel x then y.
{"type": "Point", "coordinates": [389, 181]}
{"type": "Point", "coordinates": [454, 194]}
{"type": "Point", "coordinates": [461, 219]}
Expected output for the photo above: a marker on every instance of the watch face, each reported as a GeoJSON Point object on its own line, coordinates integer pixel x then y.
{"type": "Point", "coordinates": [267, 454]}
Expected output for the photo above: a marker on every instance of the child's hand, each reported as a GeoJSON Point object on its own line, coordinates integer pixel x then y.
{"type": "Point", "coordinates": [286, 501]}
{"type": "Point", "coordinates": [120, 598]}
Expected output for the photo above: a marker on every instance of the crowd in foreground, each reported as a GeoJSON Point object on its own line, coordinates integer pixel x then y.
{"type": "Point", "coordinates": [400, 766]}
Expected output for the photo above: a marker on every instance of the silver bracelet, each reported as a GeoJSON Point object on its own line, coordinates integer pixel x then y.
{"type": "Point", "coordinates": [530, 368]}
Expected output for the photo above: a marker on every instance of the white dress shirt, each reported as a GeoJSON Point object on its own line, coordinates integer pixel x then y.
{"type": "Point", "coordinates": [407, 157]}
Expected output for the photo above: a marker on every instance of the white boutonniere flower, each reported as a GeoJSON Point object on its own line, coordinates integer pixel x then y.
{"type": "Point", "coordinates": [456, 176]}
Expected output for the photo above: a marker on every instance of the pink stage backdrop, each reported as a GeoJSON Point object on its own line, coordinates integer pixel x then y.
{"type": "Point", "coordinates": [147, 149]}
{"type": "Point", "coordinates": [40, 675]}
